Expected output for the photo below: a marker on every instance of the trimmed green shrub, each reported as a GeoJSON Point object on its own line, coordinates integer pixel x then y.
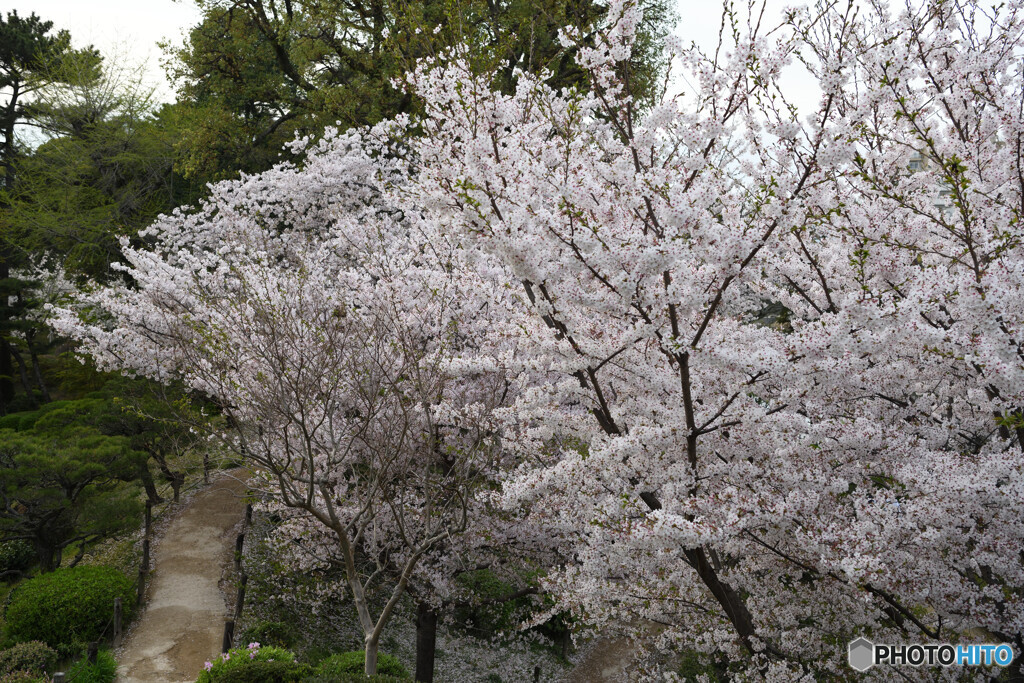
{"type": "Point", "coordinates": [16, 556]}
{"type": "Point", "coordinates": [265, 672]}
{"type": "Point", "coordinates": [272, 633]}
{"type": "Point", "coordinates": [354, 678]}
{"type": "Point", "coordinates": [33, 656]}
{"type": "Point", "coordinates": [353, 663]}
{"type": "Point", "coordinates": [103, 671]}
{"type": "Point", "coordinates": [68, 605]}
{"type": "Point", "coordinates": [23, 677]}
{"type": "Point", "coordinates": [241, 657]}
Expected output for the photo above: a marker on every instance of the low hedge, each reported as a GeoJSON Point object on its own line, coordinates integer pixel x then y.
{"type": "Point", "coordinates": [355, 678]}
{"type": "Point", "coordinates": [24, 677]}
{"type": "Point", "coordinates": [244, 658]}
{"type": "Point", "coordinates": [32, 656]}
{"type": "Point", "coordinates": [68, 606]}
{"type": "Point", "coordinates": [266, 672]}
{"type": "Point", "coordinates": [271, 633]}
{"type": "Point", "coordinates": [349, 663]}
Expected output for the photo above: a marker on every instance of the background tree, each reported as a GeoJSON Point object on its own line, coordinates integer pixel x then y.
{"type": "Point", "coordinates": [254, 73]}
{"type": "Point", "coordinates": [61, 480]}
{"type": "Point", "coordinates": [28, 55]}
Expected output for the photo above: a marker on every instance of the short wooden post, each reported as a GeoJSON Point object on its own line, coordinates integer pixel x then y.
{"type": "Point", "coordinates": [145, 554]}
{"type": "Point", "coordinates": [536, 674]}
{"type": "Point", "coordinates": [149, 518]}
{"type": "Point", "coordinates": [117, 622]}
{"type": "Point", "coordinates": [93, 650]}
{"type": "Point", "coordinates": [58, 677]}
{"type": "Point", "coordinates": [142, 585]}
{"type": "Point", "coordinates": [239, 543]}
{"type": "Point", "coordinates": [229, 635]}
{"type": "Point", "coordinates": [240, 602]}
{"type": "Point", "coordinates": [248, 514]}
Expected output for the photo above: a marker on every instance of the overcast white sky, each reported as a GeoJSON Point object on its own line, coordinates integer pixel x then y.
{"type": "Point", "coordinates": [132, 28]}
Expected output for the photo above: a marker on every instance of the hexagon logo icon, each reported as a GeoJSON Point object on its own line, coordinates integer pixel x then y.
{"type": "Point", "coordinates": [862, 654]}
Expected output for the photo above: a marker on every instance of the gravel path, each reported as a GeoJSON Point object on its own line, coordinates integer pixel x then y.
{"type": "Point", "coordinates": [183, 624]}
{"type": "Point", "coordinates": [604, 661]}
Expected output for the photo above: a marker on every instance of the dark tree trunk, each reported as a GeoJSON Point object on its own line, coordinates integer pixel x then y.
{"type": "Point", "coordinates": [23, 375]}
{"type": "Point", "coordinates": [48, 558]}
{"type": "Point", "coordinates": [147, 482]}
{"type": "Point", "coordinates": [177, 481]}
{"type": "Point", "coordinates": [426, 641]}
{"type": "Point", "coordinates": [6, 360]}
{"type": "Point", "coordinates": [30, 336]}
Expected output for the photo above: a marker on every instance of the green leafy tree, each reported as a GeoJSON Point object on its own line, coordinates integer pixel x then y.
{"type": "Point", "coordinates": [62, 479]}
{"type": "Point", "coordinates": [162, 422]}
{"type": "Point", "coordinates": [254, 73]}
{"type": "Point", "coordinates": [29, 53]}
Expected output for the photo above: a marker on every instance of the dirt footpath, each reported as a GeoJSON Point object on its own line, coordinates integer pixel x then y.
{"type": "Point", "coordinates": [604, 662]}
{"type": "Point", "coordinates": [183, 623]}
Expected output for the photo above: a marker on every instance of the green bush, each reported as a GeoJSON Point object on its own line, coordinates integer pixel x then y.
{"type": "Point", "coordinates": [23, 677]}
{"type": "Point", "coordinates": [355, 678]}
{"type": "Point", "coordinates": [241, 657]}
{"type": "Point", "coordinates": [349, 663]}
{"type": "Point", "coordinates": [265, 672]}
{"type": "Point", "coordinates": [33, 656]}
{"type": "Point", "coordinates": [68, 605]}
{"type": "Point", "coordinates": [272, 633]}
{"type": "Point", "coordinates": [19, 422]}
{"type": "Point", "coordinates": [103, 671]}
{"type": "Point", "coordinates": [16, 556]}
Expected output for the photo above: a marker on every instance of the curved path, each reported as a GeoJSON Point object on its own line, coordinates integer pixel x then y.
{"type": "Point", "coordinates": [183, 624]}
{"type": "Point", "coordinates": [606, 661]}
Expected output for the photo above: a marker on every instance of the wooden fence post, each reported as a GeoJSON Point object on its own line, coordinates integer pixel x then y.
{"type": "Point", "coordinates": [145, 554]}
{"type": "Point", "coordinates": [229, 635]}
{"type": "Point", "coordinates": [142, 585]}
{"type": "Point", "coordinates": [239, 543]}
{"type": "Point", "coordinates": [240, 602]}
{"type": "Point", "coordinates": [248, 514]}
{"type": "Point", "coordinates": [93, 650]}
{"type": "Point", "coordinates": [149, 518]}
{"type": "Point", "coordinates": [117, 622]}
{"type": "Point", "coordinates": [58, 677]}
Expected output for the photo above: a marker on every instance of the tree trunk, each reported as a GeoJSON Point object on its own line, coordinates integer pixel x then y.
{"type": "Point", "coordinates": [370, 667]}
{"type": "Point", "coordinates": [6, 361]}
{"type": "Point", "coordinates": [149, 485]}
{"type": "Point", "coordinates": [35, 367]}
{"type": "Point", "coordinates": [23, 375]}
{"type": "Point", "coordinates": [426, 640]}
{"type": "Point", "coordinates": [45, 553]}
{"type": "Point", "coordinates": [177, 481]}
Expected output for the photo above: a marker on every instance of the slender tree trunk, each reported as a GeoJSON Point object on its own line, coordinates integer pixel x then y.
{"type": "Point", "coordinates": [23, 375]}
{"type": "Point", "coordinates": [371, 645]}
{"type": "Point", "coordinates": [426, 642]}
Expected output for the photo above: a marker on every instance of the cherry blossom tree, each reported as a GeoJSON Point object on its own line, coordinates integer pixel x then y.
{"type": "Point", "coordinates": [764, 493]}
{"type": "Point", "coordinates": [759, 368]}
{"type": "Point", "coordinates": [341, 340]}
